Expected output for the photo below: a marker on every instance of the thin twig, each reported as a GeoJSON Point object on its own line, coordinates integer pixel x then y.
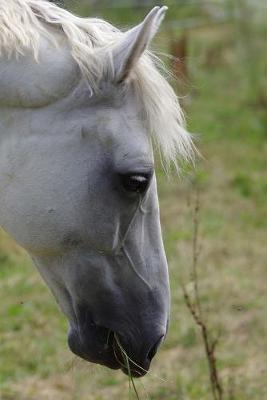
{"type": "Point", "coordinates": [195, 309]}
{"type": "Point", "coordinates": [196, 250]}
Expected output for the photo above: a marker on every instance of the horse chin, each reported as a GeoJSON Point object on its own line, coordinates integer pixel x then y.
{"type": "Point", "coordinates": [99, 346]}
{"type": "Point", "coordinates": [95, 346]}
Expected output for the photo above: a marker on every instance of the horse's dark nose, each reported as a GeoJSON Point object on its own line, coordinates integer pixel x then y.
{"type": "Point", "coordinates": [153, 350]}
{"type": "Point", "coordinates": [135, 356]}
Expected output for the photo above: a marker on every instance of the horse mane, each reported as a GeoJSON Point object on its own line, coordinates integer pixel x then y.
{"type": "Point", "coordinates": [24, 22]}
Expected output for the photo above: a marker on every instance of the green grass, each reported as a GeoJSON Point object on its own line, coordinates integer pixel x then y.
{"type": "Point", "coordinates": [223, 107]}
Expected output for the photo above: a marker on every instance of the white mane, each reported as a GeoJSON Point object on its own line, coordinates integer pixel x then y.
{"type": "Point", "coordinates": [22, 22]}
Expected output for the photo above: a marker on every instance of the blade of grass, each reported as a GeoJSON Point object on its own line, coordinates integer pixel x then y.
{"type": "Point", "coordinates": [125, 356]}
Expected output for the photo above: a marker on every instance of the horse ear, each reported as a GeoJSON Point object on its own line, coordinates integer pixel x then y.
{"type": "Point", "coordinates": [134, 42]}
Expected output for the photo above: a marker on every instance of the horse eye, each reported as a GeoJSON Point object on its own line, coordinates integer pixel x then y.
{"type": "Point", "coordinates": [137, 183]}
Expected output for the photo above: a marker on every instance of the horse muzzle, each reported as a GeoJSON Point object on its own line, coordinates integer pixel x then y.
{"type": "Point", "coordinates": [131, 354]}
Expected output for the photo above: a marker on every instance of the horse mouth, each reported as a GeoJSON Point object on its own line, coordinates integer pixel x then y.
{"type": "Point", "coordinates": [127, 363]}
{"type": "Point", "coordinates": [102, 346]}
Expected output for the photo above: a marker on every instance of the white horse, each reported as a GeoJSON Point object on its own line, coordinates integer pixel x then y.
{"type": "Point", "coordinates": [80, 104]}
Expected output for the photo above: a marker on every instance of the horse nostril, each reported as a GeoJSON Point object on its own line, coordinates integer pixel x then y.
{"type": "Point", "coordinates": [154, 348]}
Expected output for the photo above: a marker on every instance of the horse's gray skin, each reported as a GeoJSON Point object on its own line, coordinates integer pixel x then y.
{"type": "Point", "coordinates": [78, 192]}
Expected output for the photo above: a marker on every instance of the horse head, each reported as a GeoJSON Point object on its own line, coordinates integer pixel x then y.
{"type": "Point", "coordinates": [77, 183]}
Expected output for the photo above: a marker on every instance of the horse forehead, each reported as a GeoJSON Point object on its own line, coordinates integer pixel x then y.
{"type": "Point", "coordinates": [120, 127]}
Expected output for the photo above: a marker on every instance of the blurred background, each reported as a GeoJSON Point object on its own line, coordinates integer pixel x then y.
{"type": "Point", "coordinates": [219, 62]}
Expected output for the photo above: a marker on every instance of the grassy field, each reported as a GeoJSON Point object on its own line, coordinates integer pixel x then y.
{"type": "Point", "coordinates": [226, 105]}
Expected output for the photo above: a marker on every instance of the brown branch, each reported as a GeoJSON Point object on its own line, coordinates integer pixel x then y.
{"type": "Point", "coordinates": [196, 250]}
{"type": "Point", "coordinates": [195, 309]}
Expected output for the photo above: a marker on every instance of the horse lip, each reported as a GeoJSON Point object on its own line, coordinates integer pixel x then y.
{"type": "Point", "coordinates": [92, 349]}
{"type": "Point", "coordinates": [108, 354]}
{"type": "Point", "coordinates": [134, 372]}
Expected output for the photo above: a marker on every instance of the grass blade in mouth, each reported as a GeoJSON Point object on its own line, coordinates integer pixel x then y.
{"type": "Point", "coordinates": [127, 359]}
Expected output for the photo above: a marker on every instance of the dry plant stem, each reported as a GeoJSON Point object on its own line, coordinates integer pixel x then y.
{"type": "Point", "coordinates": [196, 251]}
{"type": "Point", "coordinates": [195, 309]}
